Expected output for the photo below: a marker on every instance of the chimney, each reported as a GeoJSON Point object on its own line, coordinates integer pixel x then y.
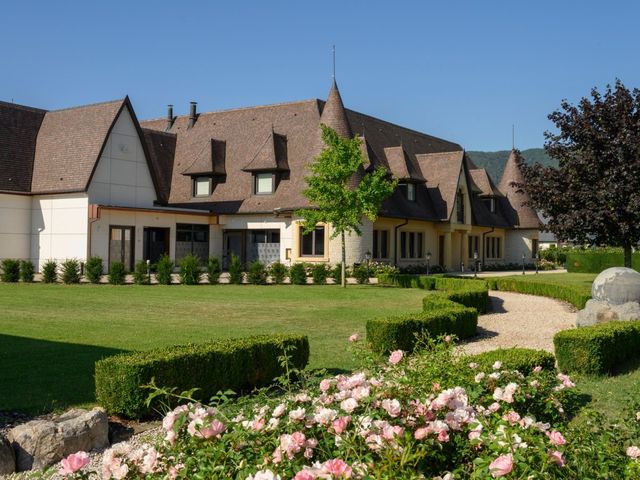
{"type": "Point", "coordinates": [193, 116]}
{"type": "Point", "coordinates": [169, 117]}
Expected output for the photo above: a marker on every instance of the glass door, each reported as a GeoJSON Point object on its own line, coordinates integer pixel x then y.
{"type": "Point", "coordinates": [121, 246]}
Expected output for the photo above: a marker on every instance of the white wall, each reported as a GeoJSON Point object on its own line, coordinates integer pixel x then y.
{"type": "Point", "coordinates": [122, 175]}
{"type": "Point", "coordinates": [518, 242]}
{"type": "Point", "coordinates": [254, 222]}
{"type": "Point", "coordinates": [58, 227]}
{"type": "Point", "coordinates": [15, 226]}
{"type": "Point", "coordinates": [356, 246]}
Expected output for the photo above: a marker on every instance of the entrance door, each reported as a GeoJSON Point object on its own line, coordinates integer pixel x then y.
{"type": "Point", "coordinates": [156, 243]}
{"type": "Point", "coordinates": [233, 244]}
{"type": "Point", "coordinates": [441, 250]}
{"type": "Point", "coordinates": [121, 246]}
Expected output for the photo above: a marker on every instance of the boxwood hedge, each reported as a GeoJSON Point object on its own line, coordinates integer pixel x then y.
{"type": "Point", "coordinates": [575, 295]}
{"type": "Point", "coordinates": [522, 359]}
{"type": "Point", "coordinates": [598, 349]}
{"type": "Point", "coordinates": [237, 364]}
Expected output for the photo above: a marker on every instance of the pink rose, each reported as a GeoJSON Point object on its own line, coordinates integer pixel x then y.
{"type": "Point", "coordinates": [538, 369]}
{"type": "Point", "coordinates": [337, 468]}
{"type": "Point", "coordinates": [557, 458]}
{"type": "Point", "coordinates": [304, 475]}
{"type": "Point", "coordinates": [395, 357]}
{"type": "Point", "coordinates": [354, 338]}
{"type": "Point", "coordinates": [325, 385]}
{"type": "Point", "coordinates": [501, 466]}
{"type": "Point", "coordinates": [421, 433]}
{"type": "Point", "coordinates": [633, 452]}
{"type": "Point", "coordinates": [73, 463]}
{"type": "Point", "coordinates": [340, 424]}
{"type": "Point", "coordinates": [214, 430]}
{"type": "Point", "coordinates": [511, 417]}
{"type": "Point", "coordinates": [447, 338]}
{"type": "Point", "coordinates": [556, 438]}
{"type": "Point", "coordinates": [392, 407]}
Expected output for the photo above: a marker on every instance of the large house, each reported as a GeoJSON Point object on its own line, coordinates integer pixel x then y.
{"type": "Point", "coordinates": [94, 181]}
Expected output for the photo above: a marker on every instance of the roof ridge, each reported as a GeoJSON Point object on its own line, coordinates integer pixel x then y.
{"type": "Point", "coordinates": [158, 132]}
{"type": "Point", "coordinates": [23, 107]}
{"type": "Point", "coordinates": [77, 107]}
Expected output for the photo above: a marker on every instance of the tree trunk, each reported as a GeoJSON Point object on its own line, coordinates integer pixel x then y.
{"type": "Point", "coordinates": [343, 277]}
{"type": "Point", "coordinates": [627, 255]}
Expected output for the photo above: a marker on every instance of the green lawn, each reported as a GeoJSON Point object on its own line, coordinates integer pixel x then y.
{"type": "Point", "coordinates": [51, 335]}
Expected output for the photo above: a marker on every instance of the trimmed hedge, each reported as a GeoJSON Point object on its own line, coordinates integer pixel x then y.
{"type": "Point", "coordinates": [598, 349]}
{"type": "Point", "coordinates": [237, 364]}
{"type": "Point", "coordinates": [522, 359]}
{"type": "Point", "coordinates": [575, 295]}
{"type": "Point", "coordinates": [597, 261]}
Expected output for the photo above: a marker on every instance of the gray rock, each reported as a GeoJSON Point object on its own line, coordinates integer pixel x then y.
{"type": "Point", "coordinates": [616, 286]}
{"type": "Point", "coordinates": [595, 312]}
{"type": "Point", "coordinates": [40, 443]}
{"type": "Point", "coordinates": [7, 457]}
{"type": "Point", "coordinates": [627, 311]}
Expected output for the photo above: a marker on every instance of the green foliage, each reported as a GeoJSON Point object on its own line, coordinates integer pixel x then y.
{"type": "Point", "coordinates": [164, 269]}
{"type": "Point", "coordinates": [598, 349]}
{"type": "Point", "coordinates": [494, 162]}
{"type": "Point", "coordinates": [257, 273]}
{"type": "Point", "coordinates": [298, 274]}
{"type": "Point", "coordinates": [278, 272]}
{"type": "Point", "coordinates": [406, 280]}
{"type": "Point", "coordinates": [522, 359]}
{"type": "Point", "coordinates": [27, 271]}
{"type": "Point", "coordinates": [10, 270]}
{"type": "Point", "coordinates": [319, 273]}
{"type": "Point", "coordinates": [236, 364]}
{"type": "Point", "coordinates": [50, 272]}
{"type": "Point", "coordinates": [597, 260]}
{"type": "Point", "coordinates": [70, 271]}
{"type": "Point", "coordinates": [213, 270]}
{"type": "Point", "coordinates": [141, 273]}
{"type": "Point", "coordinates": [117, 273]}
{"type": "Point", "coordinates": [235, 270]}
{"type": "Point", "coordinates": [573, 294]}
{"type": "Point", "coordinates": [93, 269]}
{"type": "Point", "coordinates": [190, 270]}
{"type": "Point", "coordinates": [555, 254]}
{"type": "Point", "coordinates": [336, 273]}
{"type": "Point", "coordinates": [361, 272]}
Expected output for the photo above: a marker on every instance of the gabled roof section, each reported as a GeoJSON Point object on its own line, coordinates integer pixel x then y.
{"type": "Point", "coordinates": [161, 147]}
{"type": "Point", "coordinates": [401, 166]}
{"type": "Point", "coordinates": [271, 156]}
{"type": "Point", "coordinates": [370, 161]}
{"type": "Point", "coordinates": [210, 161]}
{"type": "Point", "coordinates": [443, 176]}
{"type": "Point", "coordinates": [518, 213]}
{"type": "Point", "coordinates": [486, 186]}
{"type": "Point", "coordinates": [19, 126]}
{"type": "Point", "coordinates": [334, 114]}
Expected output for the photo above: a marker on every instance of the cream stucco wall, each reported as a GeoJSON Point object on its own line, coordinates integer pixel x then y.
{"type": "Point", "coordinates": [122, 175]}
{"type": "Point", "coordinates": [430, 239]}
{"type": "Point", "coordinates": [15, 226]}
{"type": "Point", "coordinates": [255, 222]}
{"type": "Point", "coordinates": [518, 242]}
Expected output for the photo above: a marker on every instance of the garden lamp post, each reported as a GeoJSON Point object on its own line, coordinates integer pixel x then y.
{"type": "Point", "coordinates": [523, 258]}
{"type": "Point", "coordinates": [149, 271]}
{"type": "Point", "coordinates": [367, 258]}
{"type": "Point", "coordinates": [537, 261]}
{"type": "Point", "coordinates": [428, 261]}
{"type": "Point", "coordinates": [475, 263]}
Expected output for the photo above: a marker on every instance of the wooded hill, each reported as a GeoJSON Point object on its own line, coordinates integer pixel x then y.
{"type": "Point", "coordinates": [494, 162]}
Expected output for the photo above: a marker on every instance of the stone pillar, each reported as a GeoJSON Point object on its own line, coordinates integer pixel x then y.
{"type": "Point", "coordinates": [464, 249]}
{"type": "Point", "coordinates": [447, 251]}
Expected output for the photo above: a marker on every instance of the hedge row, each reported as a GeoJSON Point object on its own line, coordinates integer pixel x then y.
{"type": "Point", "coordinates": [598, 349]}
{"type": "Point", "coordinates": [577, 296]}
{"type": "Point", "coordinates": [522, 359]}
{"type": "Point", "coordinates": [237, 364]}
{"type": "Point", "coordinates": [597, 261]}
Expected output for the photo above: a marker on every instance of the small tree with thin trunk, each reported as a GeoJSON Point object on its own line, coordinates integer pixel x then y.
{"type": "Point", "coordinates": [336, 199]}
{"type": "Point", "coordinates": [593, 197]}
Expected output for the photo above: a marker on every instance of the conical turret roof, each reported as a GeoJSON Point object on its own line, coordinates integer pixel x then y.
{"type": "Point", "coordinates": [521, 215]}
{"type": "Point", "coordinates": [334, 114]}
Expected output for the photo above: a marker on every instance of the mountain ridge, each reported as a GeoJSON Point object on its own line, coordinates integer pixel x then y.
{"type": "Point", "coordinates": [494, 162]}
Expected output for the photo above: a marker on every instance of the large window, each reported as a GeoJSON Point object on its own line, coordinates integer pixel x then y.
{"type": "Point", "coordinates": [460, 207]}
{"type": "Point", "coordinates": [202, 186]}
{"type": "Point", "coordinates": [411, 244]}
{"type": "Point", "coordinates": [264, 183]}
{"type": "Point", "coordinates": [474, 245]}
{"type": "Point", "coordinates": [312, 243]}
{"type": "Point", "coordinates": [121, 246]}
{"type": "Point", "coordinates": [493, 247]}
{"type": "Point", "coordinates": [192, 239]}
{"type": "Point", "coordinates": [534, 247]}
{"type": "Point", "coordinates": [380, 244]}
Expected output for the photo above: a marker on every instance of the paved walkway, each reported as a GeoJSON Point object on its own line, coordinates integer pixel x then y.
{"type": "Point", "coordinates": [518, 320]}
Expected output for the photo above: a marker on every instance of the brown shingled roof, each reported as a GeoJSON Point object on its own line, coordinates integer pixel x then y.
{"type": "Point", "coordinates": [518, 214]}
{"type": "Point", "coordinates": [334, 114]}
{"type": "Point", "coordinates": [443, 175]}
{"type": "Point", "coordinates": [210, 160]}
{"type": "Point", "coordinates": [161, 147]}
{"type": "Point", "coordinates": [402, 167]}
{"type": "Point", "coordinates": [481, 178]}
{"type": "Point", "coordinates": [271, 156]}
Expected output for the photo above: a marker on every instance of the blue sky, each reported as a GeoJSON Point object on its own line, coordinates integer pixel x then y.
{"type": "Point", "coordinates": [462, 70]}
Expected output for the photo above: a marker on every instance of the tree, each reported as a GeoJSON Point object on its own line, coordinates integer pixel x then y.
{"type": "Point", "coordinates": [593, 197]}
{"type": "Point", "coordinates": [336, 201]}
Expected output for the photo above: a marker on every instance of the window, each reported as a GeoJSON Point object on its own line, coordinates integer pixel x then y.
{"type": "Point", "coordinates": [202, 186]}
{"type": "Point", "coordinates": [192, 239]}
{"type": "Point", "coordinates": [380, 244]}
{"type": "Point", "coordinates": [460, 207]}
{"type": "Point", "coordinates": [409, 191]}
{"type": "Point", "coordinates": [534, 247]}
{"type": "Point", "coordinates": [121, 246]}
{"type": "Point", "coordinates": [493, 247]}
{"type": "Point", "coordinates": [264, 183]}
{"type": "Point", "coordinates": [411, 244]}
{"type": "Point", "coordinates": [490, 203]}
{"type": "Point", "coordinates": [474, 242]}
{"type": "Point", "coordinates": [312, 243]}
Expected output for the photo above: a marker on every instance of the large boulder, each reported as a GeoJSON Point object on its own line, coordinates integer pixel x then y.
{"type": "Point", "coordinates": [40, 443]}
{"type": "Point", "coordinates": [596, 311]}
{"type": "Point", "coordinates": [616, 286]}
{"type": "Point", "coordinates": [7, 457]}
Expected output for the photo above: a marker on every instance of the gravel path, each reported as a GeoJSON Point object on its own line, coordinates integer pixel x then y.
{"type": "Point", "coordinates": [518, 320]}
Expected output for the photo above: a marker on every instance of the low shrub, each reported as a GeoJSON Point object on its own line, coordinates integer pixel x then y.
{"type": "Point", "coordinates": [70, 271]}
{"type": "Point", "coordinates": [141, 273]}
{"type": "Point", "coordinates": [164, 269]}
{"type": "Point", "coordinates": [575, 295]}
{"type": "Point", "coordinates": [190, 270]}
{"type": "Point", "coordinates": [10, 270]}
{"type": "Point", "coordinates": [379, 268]}
{"type": "Point", "coordinates": [93, 269]}
{"type": "Point", "coordinates": [237, 364]}
{"type": "Point", "coordinates": [257, 273]}
{"type": "Point", "coordinates": [319, 273]}
{"type": "Point", "coordinates": [402, 332]}
{"type": "Point", "coordinates": [361, 272]}
{"type": "Point", "coordinates": [421, 269]}
{"type": "Point", "coordinates": [522, 359]}
{"type": "Point", "coordinates": [235, 270]}
{"type": "Point", "coordinates": [117, 273]}
{"type": "Point", "coordinates": [298, 274]}
{"type": "Point", "coordinates": [336, 273]}
{"type": "Point", "coordinates": [598, 349]}
{"type": "Point", "coordinates": [278, 272]}
{"type": "Point", "coordinates": [50, 272]}
{"type": "Point", "coordinates": [407, 281]}
{"type": "Point", "coordinates": [597, 260]}
{"type": "Point", "coordinates": [470, 293]}
{"type": "Point", "coordinates": [213, 270]}
{"type": "Point", "coordinates": [27, 271]}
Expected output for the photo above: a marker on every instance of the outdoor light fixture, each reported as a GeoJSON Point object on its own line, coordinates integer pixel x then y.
{"type": "Point", "coordinates": [475, 263]}
{"type": "Point", "coordinates": [367, 258]}
{"type": "Point", "coordinates": [523, 258]}
{"type": "Point", "coordinates": [149, 271]}
{"type": "Point", "coordinates": [428, 261]}
{"type": "Point", "coordinates": [537, 261]}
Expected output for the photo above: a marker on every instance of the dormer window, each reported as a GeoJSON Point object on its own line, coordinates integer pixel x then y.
{"type": "Point", "coordinates": [409, 191]}
{"type": "Point", "coordinates": [264, 183]}
{"type": "Point", "coordinates": [491, 204]}
{"type": "Point", "coordinates": [202, 186]}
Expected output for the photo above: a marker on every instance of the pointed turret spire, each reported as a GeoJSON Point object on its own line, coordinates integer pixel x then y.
{"type": "Point", "coordinates": [523, 215]}
{"type": "Point", "coordinates": [334, 114]}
